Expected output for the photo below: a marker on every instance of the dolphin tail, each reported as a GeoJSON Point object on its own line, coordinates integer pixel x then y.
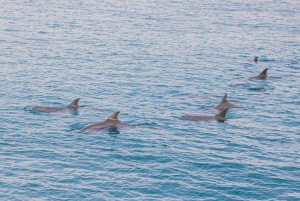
{"type": "Point", "coordinates": [222, 113]}
{"type": "Point", "coordinates": [264, 72]}
{"type": "Point", "coordinates": [74, 104]}
{"type": "Point", "coordinates": [255, 59]}
{"type": "Point", "coordinates": [224, 99]}
{"type": "Point", "coordinates": [114, 116]}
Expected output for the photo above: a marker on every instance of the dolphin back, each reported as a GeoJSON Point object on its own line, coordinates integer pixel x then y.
{"type": "Point", "coordinates": [114, 116]}
{"type": "Point", "coordinates": [264, 72]}
{"type": "Point", "coordinates": [221, 115]}
{"type": "Point", "coordinates": [74, 104]}
{"type": "Point", "coordinates": [255, 59]}
{"type": "Point", "coordinates": [47, 109]}
{"type": "Point", "coordinates": [110, 123]}
{"type": "Point", "coordinates": [224, 99]}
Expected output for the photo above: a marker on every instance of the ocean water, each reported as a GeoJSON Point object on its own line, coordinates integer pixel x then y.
{"type": "Point", "coordinates": [153, 61]}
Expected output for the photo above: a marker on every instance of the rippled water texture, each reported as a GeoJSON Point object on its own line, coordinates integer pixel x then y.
{"type": "Point", "coordinates": [153, 61]}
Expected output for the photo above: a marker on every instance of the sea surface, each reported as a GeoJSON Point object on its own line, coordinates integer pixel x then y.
{"type": "Point", "coordinates": [153, 61]}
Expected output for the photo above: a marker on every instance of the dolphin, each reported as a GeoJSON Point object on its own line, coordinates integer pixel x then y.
{"type": "Point", "coordinates": [224, 104]}
{"type": "Point", "coordinates": [255, 59]}
{"type": "Point", "coordinates": [261, 76]}
{"type": "Point", "coordinates": [111, 123]}
{"type": "Point", "coordinates": [72, 106]}
{"type": "Point", "coordinates": [219, 117]}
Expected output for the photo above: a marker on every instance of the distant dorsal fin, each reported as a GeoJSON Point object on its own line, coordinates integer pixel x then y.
{"type": "Point", "coordinates": [264, 72]}
{"type": "Point", "coordinates": [222, 113]}
{"type": "Point", "coordinates": [255, 59]}
{"type": "Point", "coordinates": [74, 104]}
{"type": "Point", "coordinates": [114, 116]}
{"type": "Point", "coordinates": [224, 99]}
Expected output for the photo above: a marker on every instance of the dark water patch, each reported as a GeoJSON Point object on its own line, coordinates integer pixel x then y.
{"type": "Point", "coordinates": [259, 89]}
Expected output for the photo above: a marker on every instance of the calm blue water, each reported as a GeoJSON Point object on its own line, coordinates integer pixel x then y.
{"type": "Point", "coordinates": [154, 61]}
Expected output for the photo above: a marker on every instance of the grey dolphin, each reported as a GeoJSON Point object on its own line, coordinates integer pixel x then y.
{"type": "Point", "coordinates": [219, 117]}
{"type": "Point", "coordinates": [111, 123]}
{"type": "Point", "coordinates": [261, 76]}
{"type": "Point", "coordinates": [224, 104]}
{"type": "Point", "coordinates": [73, 106]}
{"type": "Point", "coordinates": [255, 59]}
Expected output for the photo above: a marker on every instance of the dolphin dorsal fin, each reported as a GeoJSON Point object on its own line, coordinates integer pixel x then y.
{"type": "Point", "coordinates": [255, 59]}
{"type": "Point", "coordinates": [74, 104]}
{"type": "Point", "coordinates": [264, 72]}
{"type": "Point", "coordinates": [114, 116]}
{"type": "Point", "coordinates": [224, 99]}
{"type": "Point", "coordinates": [222, 113]}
